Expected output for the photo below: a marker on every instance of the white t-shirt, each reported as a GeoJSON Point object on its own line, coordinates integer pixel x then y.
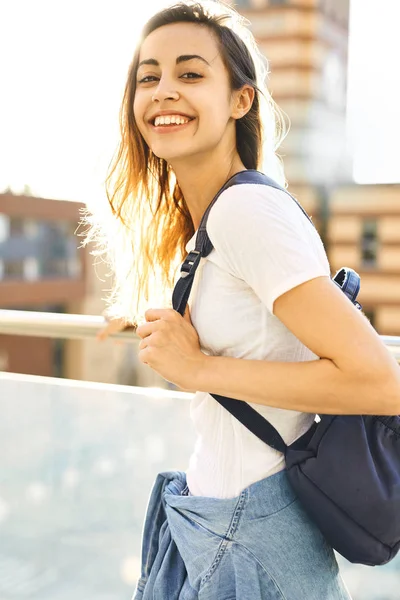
{"type": "Point", "coordinates": [263, 246]}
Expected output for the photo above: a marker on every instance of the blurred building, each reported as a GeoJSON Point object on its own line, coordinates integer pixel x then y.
{"type": "Point", "coordinates": [364, 233]}
{"type": "Point", "coordinates": [41, 270]}
{"type": "Point", "coordinates": [306, 44]}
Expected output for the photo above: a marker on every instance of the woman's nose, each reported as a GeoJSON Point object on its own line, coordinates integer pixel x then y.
{"type": "Point", "coordinates": [165, 91]}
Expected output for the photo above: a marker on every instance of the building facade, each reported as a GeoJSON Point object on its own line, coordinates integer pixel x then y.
{"type": "Point", "coordinates": [306, 44]}
{"type": "Point", "coordinates": [44, 268]}
{"type": "Point", "coordinates": [41, 269]}
{"type": "Point", "coordinates": [364, 234]}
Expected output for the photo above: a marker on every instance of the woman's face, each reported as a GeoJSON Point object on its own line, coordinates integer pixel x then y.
{"type": "Point", "coordinates": [183, 103]}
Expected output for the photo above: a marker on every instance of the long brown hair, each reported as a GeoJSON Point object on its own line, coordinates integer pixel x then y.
{"type": "Point", "coordinates": [144, 237]}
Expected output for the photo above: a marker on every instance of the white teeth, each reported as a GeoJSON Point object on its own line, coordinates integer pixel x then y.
{"type": "Point", "coordinates": [170, 120]}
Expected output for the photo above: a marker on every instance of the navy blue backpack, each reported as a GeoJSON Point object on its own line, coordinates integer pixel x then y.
{"type": "Point", "coordinates": [346, 468]}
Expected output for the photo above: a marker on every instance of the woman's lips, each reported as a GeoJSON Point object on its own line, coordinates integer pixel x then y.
{"type": "Point", "coordinates": [169, 128]}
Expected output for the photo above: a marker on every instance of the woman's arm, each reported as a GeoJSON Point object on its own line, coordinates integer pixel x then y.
{"type": "Point", "coordinates": [355, 375]}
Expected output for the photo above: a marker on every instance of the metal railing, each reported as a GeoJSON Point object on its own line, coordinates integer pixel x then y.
{"type": "Point", "coordinates": [57, 325]}
{"type": "Point", "coordinates": [65, 326]}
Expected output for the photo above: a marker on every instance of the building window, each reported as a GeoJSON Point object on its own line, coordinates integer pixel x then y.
{"type": "Point", "coordinates": [31, 269]}
{"type": "Point", "coordinates": [58, 358]}
{"type": "Point", "coordinates": [31, 228]}
{"type": "Point", "coordinates": [369, 243]}
{"type": "Point", "coordinates": [16, 226]}
{"type": "Point", "coordinates": [13, 269]}
{"type": "Point", "coordinates": [34, 250]}
{"type": "Point", "coordinates": [4, 228]}
{"type": "Point", "coordinates": [59, 255]}
{"type": "Point", "coordinates": [59, 345]}
{"type": "Point", "coordinates": [26, 269]}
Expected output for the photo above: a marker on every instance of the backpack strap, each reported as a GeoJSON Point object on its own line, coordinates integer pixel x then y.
{"type": "Point", "coordinates": [204, 246]}
{"type": "Point", "coordinates": [250, 176]}
{"type": "Point", "coordinates": [347, 279]}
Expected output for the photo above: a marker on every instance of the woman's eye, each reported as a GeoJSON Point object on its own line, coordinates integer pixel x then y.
{"type": "Point", "coordinates": [191, 75]}
{"type": "Point", "coordinates": [147, 79]}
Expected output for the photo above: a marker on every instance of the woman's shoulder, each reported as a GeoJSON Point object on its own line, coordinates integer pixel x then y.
{"type": "Point", "coordinates": [254, 204]}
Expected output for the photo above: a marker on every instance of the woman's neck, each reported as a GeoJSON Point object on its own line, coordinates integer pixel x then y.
{"type": "Point", "coordinates": [199, 183]}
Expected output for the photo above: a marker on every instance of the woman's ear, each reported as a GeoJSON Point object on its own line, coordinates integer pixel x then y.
{"type": "Point", "coordinates": [242, 101]}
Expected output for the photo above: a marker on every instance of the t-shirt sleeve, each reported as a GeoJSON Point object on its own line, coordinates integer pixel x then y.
{"type": "Point", "coordinates": [266, 240]}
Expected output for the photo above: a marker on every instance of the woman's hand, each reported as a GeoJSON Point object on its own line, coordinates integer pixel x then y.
{"type": "Point", "coordinates": [113, 326]}
{"type": "Point", "coordinates": [170, 346]}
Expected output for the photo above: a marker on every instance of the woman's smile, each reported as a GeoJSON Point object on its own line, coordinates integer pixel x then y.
{"type": "Point", "coordinates": [168, 125]}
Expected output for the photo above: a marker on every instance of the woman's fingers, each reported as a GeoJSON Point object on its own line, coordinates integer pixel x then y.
{"type": "Point", "coordinates": [113, 326]}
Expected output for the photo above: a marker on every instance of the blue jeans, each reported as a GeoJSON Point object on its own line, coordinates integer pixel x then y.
{"type": "Point", "coordinates": [260, 545]}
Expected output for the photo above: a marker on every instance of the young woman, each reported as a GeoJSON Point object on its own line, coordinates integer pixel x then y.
{"type": "Point", "coordinates": [266, 323]}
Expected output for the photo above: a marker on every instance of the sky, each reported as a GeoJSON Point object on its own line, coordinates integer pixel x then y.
{"type": "Point", "coordinates": [373, 102]}
{"type": "Point", "coordinates": [62, 74]}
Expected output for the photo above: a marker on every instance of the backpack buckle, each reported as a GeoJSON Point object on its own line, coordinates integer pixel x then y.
{"type": "Point", "coordinates": [190, 263]}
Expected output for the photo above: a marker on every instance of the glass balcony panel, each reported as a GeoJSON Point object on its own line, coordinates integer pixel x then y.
{"type": "Point", "coordinates": [78, 463]}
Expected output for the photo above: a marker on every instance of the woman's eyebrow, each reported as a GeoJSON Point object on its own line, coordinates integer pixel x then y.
{"type": "Point", "coordinates": [180, 59]}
